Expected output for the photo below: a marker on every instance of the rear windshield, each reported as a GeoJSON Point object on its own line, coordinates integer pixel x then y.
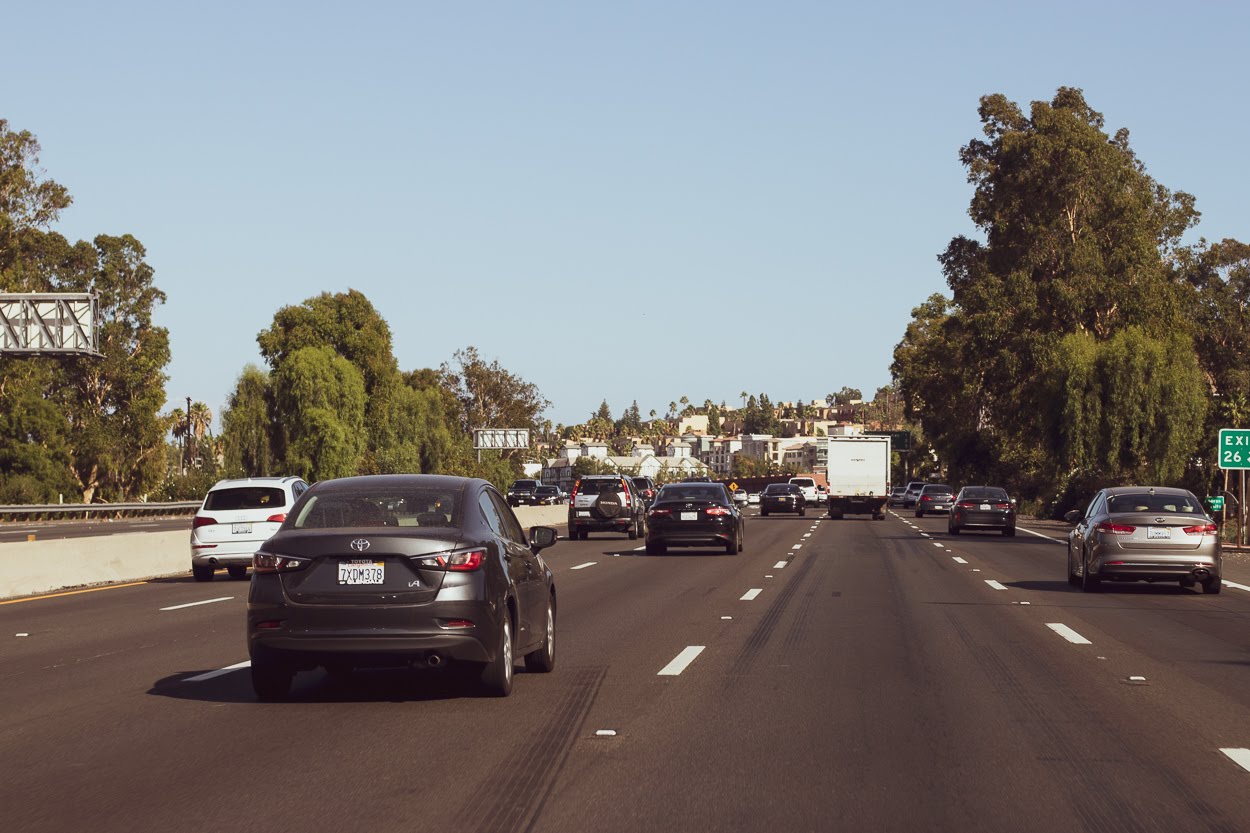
{"type": "Point", "coordinates": [985, 493]}
{"type": "Point", "coordinates": [525, 484]}
{"type": "Point", "coordinates": [1146, 502]}
{"type": "Point", "coordinates": [692, 491]}
{"type": "Point", "coordinates": [245, 497]}
{"type": "Point", "coordinates": [803, 481]}
{"type": "Point", "coordinates": [546, 490]}
{"type": "Point", "coordinates": [596, 487]}
{"type": "Point", "coordinates": [781, 489]}
{"type": "Point", "coordinates": [936, 490]}
{"type": "Point", "coordinates": [407, 507]}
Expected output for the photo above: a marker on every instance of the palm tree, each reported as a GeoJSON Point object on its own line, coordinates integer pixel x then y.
{"type": "Point", "coordinates": [177, 421]}
{"type": "Point", "coordinates": [200, 421]}
{"type": "Point", "coordinates": [672, 408]}
{"type": "Point", "coordinates": [744, 396]}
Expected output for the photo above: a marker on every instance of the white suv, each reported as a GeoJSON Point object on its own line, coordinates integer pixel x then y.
{"type": "Point", "coordinates": [237, 516]}
{"type": "Point", "coordinates": [808, 487]}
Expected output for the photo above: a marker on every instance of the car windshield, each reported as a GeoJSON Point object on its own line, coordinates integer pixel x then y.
{"type": "Point", "coordinates": [245, 497]}
{"type": "Point", "coordinates": [985, 493]}
{"type": "Point", "coordinates": [1146, 502]}
{"type": "Point", "coordinates": [398, 508]}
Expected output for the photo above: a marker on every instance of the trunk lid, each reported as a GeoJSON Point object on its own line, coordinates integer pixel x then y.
{"type": "Point", "coordinates": [343, 571]}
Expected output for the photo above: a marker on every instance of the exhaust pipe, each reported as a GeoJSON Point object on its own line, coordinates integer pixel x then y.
{"type": "Point", "coordinates": [1201, 573]}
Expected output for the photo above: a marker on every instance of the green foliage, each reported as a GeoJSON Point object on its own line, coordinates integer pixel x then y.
{"type": "Point", "coordinates": [490, 396]}
{"type": "Point", "coordinates": [321, 397]}
{"type": "Point", "coordinates": [247, 426]}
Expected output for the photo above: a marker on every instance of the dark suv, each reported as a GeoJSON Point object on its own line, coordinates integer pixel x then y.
{"type": "Point", "coordinates": [522, 493]}
{"type": "Point", "coordinates": [606, 503]}
{"type": "Point", "coordinates": [646, 489]}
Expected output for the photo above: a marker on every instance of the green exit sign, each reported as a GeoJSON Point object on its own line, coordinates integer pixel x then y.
{"type": "Point", "coordinates": [1235, 448]}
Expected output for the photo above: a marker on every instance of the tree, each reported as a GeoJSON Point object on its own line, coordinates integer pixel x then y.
{"type": "Point", "coordinates": [604, 412]}
{"type": "Point", "coordinates": [247, 425]}
{"type": "Point", "coordinates": [489, 395]}
{"type": "Point", "coordinates": [321, 397]}
{"type": "Point", "coordinates": [845, 396]}
{"type": "Point", "coordinates": [201, 423]}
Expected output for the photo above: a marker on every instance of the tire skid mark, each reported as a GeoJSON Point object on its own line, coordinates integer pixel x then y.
{"type": "Point", "coordinates": [763, 631]}
{"type": "Point", "coordinates": [1111, 812]}
{"type": "Point", "coordinates": [522, 781]}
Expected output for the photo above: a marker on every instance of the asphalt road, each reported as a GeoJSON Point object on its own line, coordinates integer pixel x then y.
{"type": "Point", "coordinates": [837, 675]}
{"type": "Point", "coordinates": [47, 530]}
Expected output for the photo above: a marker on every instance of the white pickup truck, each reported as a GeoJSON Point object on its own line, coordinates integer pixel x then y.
{"type": "Point", "coordinates": [858, 472]}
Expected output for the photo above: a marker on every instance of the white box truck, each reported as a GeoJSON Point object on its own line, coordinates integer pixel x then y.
{"type": "Point", "coordinates": [858, 471]}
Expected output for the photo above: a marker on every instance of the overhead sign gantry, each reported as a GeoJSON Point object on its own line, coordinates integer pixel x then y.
{"type": "Point", "coordinates": [49, 324]}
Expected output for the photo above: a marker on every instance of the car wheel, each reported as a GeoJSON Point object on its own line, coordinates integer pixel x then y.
{"type": "Point", "coordinates": [654, 548]}
{"type": "Point", "coordinates": [1090, 584]}
{"type": "Point", "coordinates": [951, 528]}
{"type": "Point", "coordinates": [741, 535]}
{"type": "Point", "coordinates": [497, 675]}
{"type": "Point", "coordinates": [271, 681]}
{"type": "Point", "coordinates": [544, 659]}
{"type": "Point", "coordinates": [803, 512]}
{"type": "Point", "coordinates": [1009, 531]}
{"type": "Point", "coordinates": [763, 513]}
{"type": "Point", "coordinates": [237, 572]}
{"type": "Point", "coordinates": [919, 514]}
{"type": "Point", "coordinates": [731, 548]}
{"type": "Point", "coordinates": [1212, 586]}
{"type": "Point", "coordinates": [607, 506]}
{"type": "Point", "coordinates": [633, 531]}
{"type": "Point", "coordinates": [202, 572]}
{"type": "Point", "coordinates": [1073, 578]}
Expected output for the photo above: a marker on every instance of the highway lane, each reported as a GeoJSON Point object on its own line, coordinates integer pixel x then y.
{"type": "Point", "coordinates": [46, 530]}
{"type": "Point", "coordinates": [872, 682]}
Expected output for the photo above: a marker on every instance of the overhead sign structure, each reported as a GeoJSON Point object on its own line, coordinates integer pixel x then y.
{"type": "Point", "coordinates": [501, 438]}
{"type": "Point", "coordinates": [1234, 448]}
{"type": "Point", "coordinates": [49, 323]}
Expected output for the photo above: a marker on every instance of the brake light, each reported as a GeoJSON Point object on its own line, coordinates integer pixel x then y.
{"type": "Point", "coordinates": [276, 519]}
{"type": "Point", "coordinates": [265, 562]}
{"type": "Point", "coordinates": [201, 521]}
{"type": "Point", "coordinates": [660, 513]}
{"type": "Point", "coordinates": [1002, 506]}
{"type": "Point", "coordinates": [625, 491]}
{"type": "Point", "coordinates": [1202, 529]}
{"type": "Point", "coordinates": [926, 497]}
{"type": "Point", "coordinates": [466, 562]}
{"type": "Point", "coordinates": [718, 510]}
{"type": "Point", "coordinates": [967, 504]}
{"type": "Point", "coordinates": [1115, 529]}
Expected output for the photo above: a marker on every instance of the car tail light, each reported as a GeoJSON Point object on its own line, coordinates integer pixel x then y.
{"type": "Point", "coordinates": [276, 519]}
{"type": "Point", "coordinates": [1201, 529]}
{"type": "Point", "coordinates": [1002, 506]}
{"type": "Point", "coordinates": [269, 625]}
{"type": "Point", "coordinates": [625, 491]}
{"type": "Point", "coordinates": [1115, 529]}
{"type": "Point", "coordinates": [718, 510]}
{"type": "Point", "coordinates": [926, 497]}
{"type": "Point", "coordinates": [463, 561]}
{"type": "Point", "coordinates": [968, 504]}
{"type": "Point", "coordinates": [660, 513]}
{"type": "Point", "coordinates": [265, 562]}
{"type": "Point", "coordinates": [201, 521]}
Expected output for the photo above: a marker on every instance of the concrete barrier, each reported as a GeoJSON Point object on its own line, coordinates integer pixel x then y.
{"type": "Point", "coordinates": [30, 567]}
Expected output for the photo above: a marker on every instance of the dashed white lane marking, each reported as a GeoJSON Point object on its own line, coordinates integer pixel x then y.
{"type": "Point", "coordinates": [996, 585]}
{"type": "Point", "coordinates": [1241, 757]}
{"type": "Point", "coordinates": [751, 594]}
{"type": "Point", "coordinates": [1137, 679]}
{"type": "Point", "coordinates": [605, 733]}
{"type": "Point", "coordinates": [681, 661]}
{"type": "Point", "coordinates": [807, 535]}
{"type": "Point", "coordinates": [939, 546]}
{"type": "Point", "coordinates": [1040, 535]}
{"type": "Point", "coordinates": [958, 560]}
{"type": "Point", "coordinates": [584, 566]}
{"type": "Point", "coordinates": [639, 549]}
{"type": "Point", "coordinates": [21, 634]}
{"type": "Point", "coordinates": [797, 547]}
{"type": "Point", "coordinates": [767, 576]}
{"type": "Point", "coordinates": [925, 535]}
{"type": "Point", "coordinates": [193, 604]}
{"type": "Point", "coordinates": [726, 617]}
{"type": "Point", "coordinates": [779, 565]}
{"type": "Point", "coordinates": [1068, 634]}
{"type": "Point", "coordinates": [1235, 585]}
{"type": "Point", "coordinates": [208, 675]}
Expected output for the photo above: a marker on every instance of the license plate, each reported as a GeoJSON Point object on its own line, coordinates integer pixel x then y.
{"type": "Point", "coordinates": [690, 516]}
{"type": "Point", "coordinates": [361, 571]}
{"type": "Point", "coordinates": [583, 514]}
{"type": "Point", "coordinates": [1153, 532]}
{"type": "Point", "coordinates": [985, 507]}
{"type": "Point", "coordinates": [241, 529]}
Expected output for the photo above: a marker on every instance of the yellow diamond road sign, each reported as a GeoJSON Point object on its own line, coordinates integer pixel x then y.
{"type": "Point", "coordinates": [733, 487]}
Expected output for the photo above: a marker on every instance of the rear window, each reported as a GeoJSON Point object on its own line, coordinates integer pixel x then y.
{"type": "Point", "coordinates": [802, 481]}
{"type": "Point", "coordinates": [985, 493]}
{"type": "Point", "coordinates": [780, 489]}
{"type": "Point", "coordinates": [936, 490]}
{"type": "Point", "coordinates": [1146, 502]}
{"type": "Point", "coordinates": [406, 508]}
{"type": "Point", "coordinates": [245, 497]}
{"type": "Point", "coordinates": [525, 484]}
{"type": "Point", "coordinates": [546, 490]}
{"type": "Point", "coordinates": [690, 491]}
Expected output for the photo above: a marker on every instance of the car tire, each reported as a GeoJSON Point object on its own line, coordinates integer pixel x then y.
{"type": "Point", "coordinates": [607, 506]}
{"type": "Point", "coordinates": [803, 512]}
{"type": "Point", "coordinates": [731, 548]}
{"type": "Point", "coordinates": [1009, 532]}
{"type": "Point", "coordinates": [202, 572]}
{"type": "Point", "coordinates": [951, 528]}
{"type": "Point", "coordinates": [741, 535]}
{"type": "Point", "coordinates": [1212, 586]}
{"type": "Point", "coordinates": [497, 675]}
{"type": "Point", "coordinates": [1090, 584]}
{"type": "Point", "coordinates": [543, 660]}
{"type": "Point", "coordinates": [919, 514]}
{"type": "Point", "coordinates": [237, 572]}
{"type": "Point", "coordinates": [633, 531]}
{"type": "Point", "coordinates": [763, 513]}
{"type": "Point", "coordinates": [271, 680]}
{"type": "Point", "coordinates": [655, 548]}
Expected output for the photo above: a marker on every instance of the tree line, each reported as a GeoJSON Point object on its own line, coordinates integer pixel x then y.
{"type": "Point", "coordinates": [1082, 342]}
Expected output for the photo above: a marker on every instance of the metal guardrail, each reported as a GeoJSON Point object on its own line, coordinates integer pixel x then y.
{"type": "Point", "coordinates": [52, 511]}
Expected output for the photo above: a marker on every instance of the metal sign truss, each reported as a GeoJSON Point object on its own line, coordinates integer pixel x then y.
{"type": "Point", "coordinates": [49, 324]}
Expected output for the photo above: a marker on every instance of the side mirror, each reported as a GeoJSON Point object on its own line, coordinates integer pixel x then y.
{"type": "Point", "coordinates": [541, 537]}
{"type": "Point", "coordinates": [1073, 516]}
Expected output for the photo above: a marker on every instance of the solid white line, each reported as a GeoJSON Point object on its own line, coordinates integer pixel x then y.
{"type": "Point", "coordinates": [995, 584]}
{"type": "Point", "coordinates": [193, 604]}
{"type": "Point", "coordinates": [584, 566]}
{"type": "Point", "coordinates": [751, 594]}
{"type": "Point", "coordinates": [958, 560]}
{"type": "Point", "coordinates": [779, 565]}
{"type": "Point", "coordinates": [199, 678]}
{"type": "Point", "coordinates": [1040, 535]}
{"type": "Point", "coordinates": [681, 661]}
{"type": "Point", "coordinates": [1240, 756]}
{"type": "Point", "coordinates": [1068, 634]}
{"type": "Point", "coordinates": [1235, 585]}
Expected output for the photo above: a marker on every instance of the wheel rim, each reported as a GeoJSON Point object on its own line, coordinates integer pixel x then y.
{"type": "Point", "coordinates": [507, 650]}
{"type": "Point", "coordinates": [551, 632]}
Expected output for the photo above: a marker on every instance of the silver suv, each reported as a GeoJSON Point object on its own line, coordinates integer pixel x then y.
{"type": "Point", "coordinates": [237, 516]}
{"type": "Point", "coordinates": [606, 503]}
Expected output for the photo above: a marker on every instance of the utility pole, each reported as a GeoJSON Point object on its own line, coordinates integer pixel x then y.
{"type": "Point", "coordinates": [188, 468]}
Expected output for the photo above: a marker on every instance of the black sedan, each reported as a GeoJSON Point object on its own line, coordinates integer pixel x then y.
{"type": "Point", "coordinates": [782, 497]}
{"type": "Point", "coordinates": [982, 507]}
{"type": "Point", "coordinates": [401, 571]}
{"type": "Point", "coordinates": [691, 515]}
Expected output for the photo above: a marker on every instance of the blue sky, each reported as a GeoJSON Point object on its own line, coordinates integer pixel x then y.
{"type": "Point", "coordinates": [620, 201]}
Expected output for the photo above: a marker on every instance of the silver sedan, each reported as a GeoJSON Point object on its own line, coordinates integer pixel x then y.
{"type": "Point", "coordinates": [1144, 533]}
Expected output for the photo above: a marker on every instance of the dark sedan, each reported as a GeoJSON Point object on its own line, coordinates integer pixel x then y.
{"type": "Point", "coordinates": [693, 514]}
{"type": "Point", "coordinates": [401, 571]}
{"type": "Point", "coordinates": [982, 507]}
{"type": "Point", "coordinates": [782, 497]}
{"type": "Point", "coordinates": [934, 497]}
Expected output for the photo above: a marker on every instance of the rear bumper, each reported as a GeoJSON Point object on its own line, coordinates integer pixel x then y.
{"type": "Point", "coordinates": [856, 505]}
{"type": "Point", "coordinates": [1197, 568]}
{"type": "Point", "coordinates": [214, 558]}
{"type": "Point", "coordinates": [690, 533]}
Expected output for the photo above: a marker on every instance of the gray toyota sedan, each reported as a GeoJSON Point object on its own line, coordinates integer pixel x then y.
{"type": "Point", "coordinates": [1143, 533]}
{"type": "Point", "coordinates": [401, 571]}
